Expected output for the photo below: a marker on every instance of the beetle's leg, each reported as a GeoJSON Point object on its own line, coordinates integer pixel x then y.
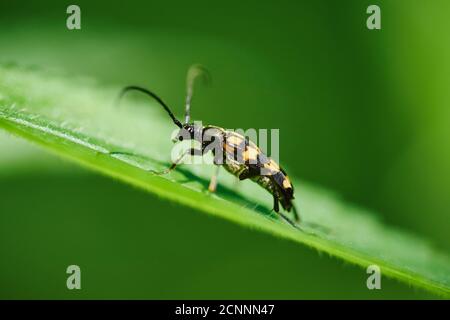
{"type": "Point", "coordinates": [295, 213]}
{"type": "Point", "coordinates": [213, 183]}
{"type": "Point", "coordinates": [276, 207]}
{"type": "Point", "coordinates": [191, 151]}
{"type": "Point", "coordinates": [292, 223]}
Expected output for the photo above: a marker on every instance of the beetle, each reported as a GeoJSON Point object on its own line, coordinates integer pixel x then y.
{"type": "Point", "coordinates": [236, 153]}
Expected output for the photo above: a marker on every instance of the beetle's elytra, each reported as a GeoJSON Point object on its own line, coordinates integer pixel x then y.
{"type": "Point", "coordinates": [236, 153]}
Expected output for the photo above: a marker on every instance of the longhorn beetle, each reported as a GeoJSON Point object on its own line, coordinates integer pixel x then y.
{"type": "Point", "coordinates": [236, 153]}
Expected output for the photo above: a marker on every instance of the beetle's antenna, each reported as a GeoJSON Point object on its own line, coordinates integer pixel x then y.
{"type": "Point", "coordinates": [154, 96]}
{"type": "Point", "coordinates": [194, 72]}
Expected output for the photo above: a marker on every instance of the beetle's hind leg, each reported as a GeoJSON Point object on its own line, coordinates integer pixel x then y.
{"type": "Point", "coordinates": [295, 213]}
{"type": "Point", "coordinates": [276, 208]}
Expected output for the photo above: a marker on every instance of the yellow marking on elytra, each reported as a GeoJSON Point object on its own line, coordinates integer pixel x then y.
{"type": "Point", "coordinates": [286, 183]}
{"type": "Point", "coordinates": [272, 165]}
{"type": "Point", "coordinates": [251, 154]}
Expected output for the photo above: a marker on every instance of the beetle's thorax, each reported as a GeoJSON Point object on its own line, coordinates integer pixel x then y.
{"type": "Point", "coordinates": [194, 131]}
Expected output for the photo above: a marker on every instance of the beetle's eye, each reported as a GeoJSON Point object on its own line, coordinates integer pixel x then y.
{"type": "Point", "coordinates": [180, 138]}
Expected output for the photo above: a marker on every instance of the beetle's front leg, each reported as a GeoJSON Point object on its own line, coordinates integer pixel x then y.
{"type": "Point", "coordinates": [191, 151]}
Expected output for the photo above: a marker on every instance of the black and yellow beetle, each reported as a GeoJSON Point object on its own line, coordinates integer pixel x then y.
{"type": "Point", "coordinates": [236, 153]}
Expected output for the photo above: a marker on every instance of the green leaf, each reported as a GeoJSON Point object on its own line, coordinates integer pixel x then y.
{"type": "Point", "coordinates": [76, 118]}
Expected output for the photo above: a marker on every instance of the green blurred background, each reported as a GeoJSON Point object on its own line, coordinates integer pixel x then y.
{"type": "Point", "coordinates": [364, 113]}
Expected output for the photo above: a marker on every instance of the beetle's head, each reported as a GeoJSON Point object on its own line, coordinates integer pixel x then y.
{"type": "Point", "coordinates": [189, 131]}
